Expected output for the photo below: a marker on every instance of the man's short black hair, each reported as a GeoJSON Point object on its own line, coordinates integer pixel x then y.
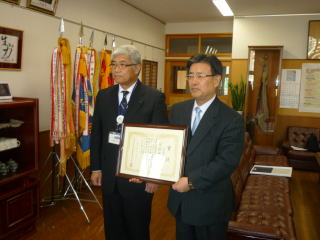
{"type": "Point", "coordinates": [213, 61]}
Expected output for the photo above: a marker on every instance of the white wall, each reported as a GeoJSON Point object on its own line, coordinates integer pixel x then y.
{"type": "Point", "coordinates": [200, 27]}
{"type": "Point", "coordinates": [290, 32]}
{"type": "Point", "coordinates": [41, 34]}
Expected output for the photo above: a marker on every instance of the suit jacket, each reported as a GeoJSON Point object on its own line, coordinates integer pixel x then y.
{"type": "Point", "coordinates": [146, 105]}
{"type": "Point", "coordinates": [213, 153]}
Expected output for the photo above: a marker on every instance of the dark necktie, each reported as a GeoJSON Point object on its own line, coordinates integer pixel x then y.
{"type": "Point", "coordinates": [123, 104]}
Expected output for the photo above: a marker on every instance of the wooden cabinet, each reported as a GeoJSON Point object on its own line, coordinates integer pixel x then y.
{"type": "Point", "coordinates": [19, 192]}
{"type": "Point", "coordinates": [180, 47]}
{"type": "Point", "coordinates": [176, 86]}
{"type": "Point", "coordinates": [187, 45]}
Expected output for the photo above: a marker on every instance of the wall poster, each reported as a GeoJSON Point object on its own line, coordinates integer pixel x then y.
{"type": "Point", "coordinates": [290, 88]}
{"type": "Point", "coordinates": [310, 88]}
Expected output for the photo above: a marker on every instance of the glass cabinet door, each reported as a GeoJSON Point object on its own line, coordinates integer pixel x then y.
{"type": "Point", "coordinates": [182, 45]}
{"type": "Point", "coordinates": [262, 98]}
{"type": "Point", "coordinates": [225, 78]}
{"type": "Point", "coordinates": [216, 45]}
{"type": "Point", "coordinates": [186, 45]}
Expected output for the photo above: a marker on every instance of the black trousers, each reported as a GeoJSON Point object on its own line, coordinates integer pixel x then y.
{"type": "Point", "coordinates": [208, 232]}
{"type": "Point", "coordinates": [127, 216]}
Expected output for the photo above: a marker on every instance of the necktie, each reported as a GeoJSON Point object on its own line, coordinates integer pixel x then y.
{"type": "Point", "coordinates": [123, 104]}
{"type": "Point", "coordinates": [196, 120]}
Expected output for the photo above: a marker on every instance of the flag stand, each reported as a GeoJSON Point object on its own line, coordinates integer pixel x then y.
{"type": "Point", "coordinates": [72, 184]}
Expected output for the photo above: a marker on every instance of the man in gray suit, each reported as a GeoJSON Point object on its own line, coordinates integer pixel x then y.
{"type": "Point", "coordinates": [202, 200]}
{"type": "Point", "coordinates": [126, 205]}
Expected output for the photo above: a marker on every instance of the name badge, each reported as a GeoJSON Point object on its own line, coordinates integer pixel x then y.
{"type": "Point", "coordinates": [120, 119]}
{"type": "Point", "coordinates": [114, 138]}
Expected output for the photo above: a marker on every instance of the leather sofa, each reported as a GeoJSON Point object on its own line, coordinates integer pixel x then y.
{"type": "Point", "coordinates": [263, 206]}
{"type": "Point", "coordinates": [297, 137]}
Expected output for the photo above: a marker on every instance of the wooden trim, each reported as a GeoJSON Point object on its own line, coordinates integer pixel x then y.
{"type": "Point", "coordinates": [276, 47]}
{"type": "Point", "coordinates": [200, 34]}
{"type": "Point", "coordinates": [216, 35]}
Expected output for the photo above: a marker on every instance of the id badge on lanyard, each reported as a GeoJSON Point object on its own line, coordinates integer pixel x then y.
{"type": "Point", "coordinates": [115, 136]}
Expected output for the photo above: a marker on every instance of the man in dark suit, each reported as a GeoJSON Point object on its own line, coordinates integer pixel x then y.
{"type": "Point", "coordinates": [127, 205]}
{"type": "Point", "coordinates": [202, 200]}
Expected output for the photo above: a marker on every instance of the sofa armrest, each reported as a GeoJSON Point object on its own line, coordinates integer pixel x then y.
{"type": "Point", "coordinates": [237, 230]}
{"type": "Point", "coordinates": [285, 144]}
{"type": "Point", "coordinates": [266, 150]}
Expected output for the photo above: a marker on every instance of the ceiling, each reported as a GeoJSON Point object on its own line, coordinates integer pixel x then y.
{"type": "Point", "coordinates": [203, 10]}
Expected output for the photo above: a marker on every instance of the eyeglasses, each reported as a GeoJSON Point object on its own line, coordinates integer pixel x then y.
{"type": "Point", "coordinates": [121, 66]}
{"type": "Point", "coordinates": [199, 75]}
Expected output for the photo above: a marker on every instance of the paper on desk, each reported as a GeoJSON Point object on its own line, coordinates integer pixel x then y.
{"type": "Point", "coordinates": [298, 148]}
{"type": "Point", "coordinates": [271, 170]}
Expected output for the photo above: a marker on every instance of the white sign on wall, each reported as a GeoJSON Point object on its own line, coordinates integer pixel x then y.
{"type": "Point", "coordinates": [310, 88]}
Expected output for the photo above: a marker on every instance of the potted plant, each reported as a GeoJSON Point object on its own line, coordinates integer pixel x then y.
{"type": "Point", "coordinates": [238, 93]}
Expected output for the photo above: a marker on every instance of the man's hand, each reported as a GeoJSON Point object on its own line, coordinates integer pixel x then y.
{"type": "Point", "coordinates": [135, 180]}
{"type": "Point", "coordinates": [96, 178]}
{"type": "Point", "coordinates": [181, 185]}
{"type": "Point", "coordinates": [151, 187]}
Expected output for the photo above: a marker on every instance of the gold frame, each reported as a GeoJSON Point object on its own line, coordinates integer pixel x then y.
{"type": "Point", "coordinates": [153, 153]}
{"type": "Point", "coordinates": [43, 6]}
{"type": "Point", "coordinates": [313, 50]}
{"type": "Point", "coordinates": [11, 33]}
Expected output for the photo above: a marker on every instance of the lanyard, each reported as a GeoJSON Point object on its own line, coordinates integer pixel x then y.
{"type": "Point", "coordinates": [120, 118]}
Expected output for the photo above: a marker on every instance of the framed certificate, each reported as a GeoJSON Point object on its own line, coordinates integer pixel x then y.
{"type": "Point", "coordinates": [153, 153]}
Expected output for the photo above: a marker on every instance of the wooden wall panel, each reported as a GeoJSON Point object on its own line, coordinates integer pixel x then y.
{"type": "Point", "coordinates": [285, 117]}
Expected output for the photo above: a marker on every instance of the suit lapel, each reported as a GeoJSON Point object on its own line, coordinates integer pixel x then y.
{"type": "Point", "coordinates": [208, 121]}
{"type": "Point", "coordinates": [136, 101]}
{"type": "Point", "coordinates": [114, 102]}
{"type": "Point", "coordinates": [187, 119]}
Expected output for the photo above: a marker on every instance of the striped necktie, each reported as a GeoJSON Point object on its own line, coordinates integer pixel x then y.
{"type": "Point", "coordinates": [196, 119]}
{"type": "Point", "coordinates": [123, 104]}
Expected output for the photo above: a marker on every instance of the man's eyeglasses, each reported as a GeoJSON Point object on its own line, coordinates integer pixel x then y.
{"type": "Point", "coordinates": [198, 75]}
{"type": "Point", "coordinates": [121, 66]}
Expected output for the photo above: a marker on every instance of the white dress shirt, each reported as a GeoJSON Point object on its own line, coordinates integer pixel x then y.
{"type": "Point", "coordinates": [203, 109]}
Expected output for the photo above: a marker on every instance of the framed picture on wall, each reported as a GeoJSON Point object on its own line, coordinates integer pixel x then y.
{"type": "Point", "coordinates": [10, 48]}
{"type": "Point", "coordinates": [13, 1]}
{"type": "Point", "coordinates": [314, 40]}
{"type": "Point", "coordinates": [46, 6]}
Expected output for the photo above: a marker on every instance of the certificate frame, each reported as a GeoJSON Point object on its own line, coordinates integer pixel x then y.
{"type": "Point", "coordinates": [152, 153]}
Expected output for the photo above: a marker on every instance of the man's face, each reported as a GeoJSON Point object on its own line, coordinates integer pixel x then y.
{"type": "Point", "coordinates": [202, 88]}
{"type": "Point", "coordinates": [127, 75]}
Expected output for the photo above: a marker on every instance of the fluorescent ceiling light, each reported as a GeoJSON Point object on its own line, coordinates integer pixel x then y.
{"type": "Point", "coordinates": [223, 7]}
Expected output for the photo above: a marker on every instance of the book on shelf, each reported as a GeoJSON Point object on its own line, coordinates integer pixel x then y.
{"type": "Point", "coordinates": [271, 170]}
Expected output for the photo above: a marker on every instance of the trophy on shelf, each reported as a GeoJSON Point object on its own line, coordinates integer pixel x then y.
{"type": "Point", "coordinates": [4, 169]}
{"type": "Point", "coordinates": [12, 165]}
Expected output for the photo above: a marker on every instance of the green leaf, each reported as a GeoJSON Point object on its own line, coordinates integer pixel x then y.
{"type": "Point", "coordinates": [238, 93]}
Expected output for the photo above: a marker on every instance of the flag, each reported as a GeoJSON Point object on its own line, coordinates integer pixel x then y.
{"type": "Point", "coordinates": [85, 88]}
{"type": "Point", "coordinates": [105, 79]}
{"type": "Point", "coordinates": [62, 126]}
